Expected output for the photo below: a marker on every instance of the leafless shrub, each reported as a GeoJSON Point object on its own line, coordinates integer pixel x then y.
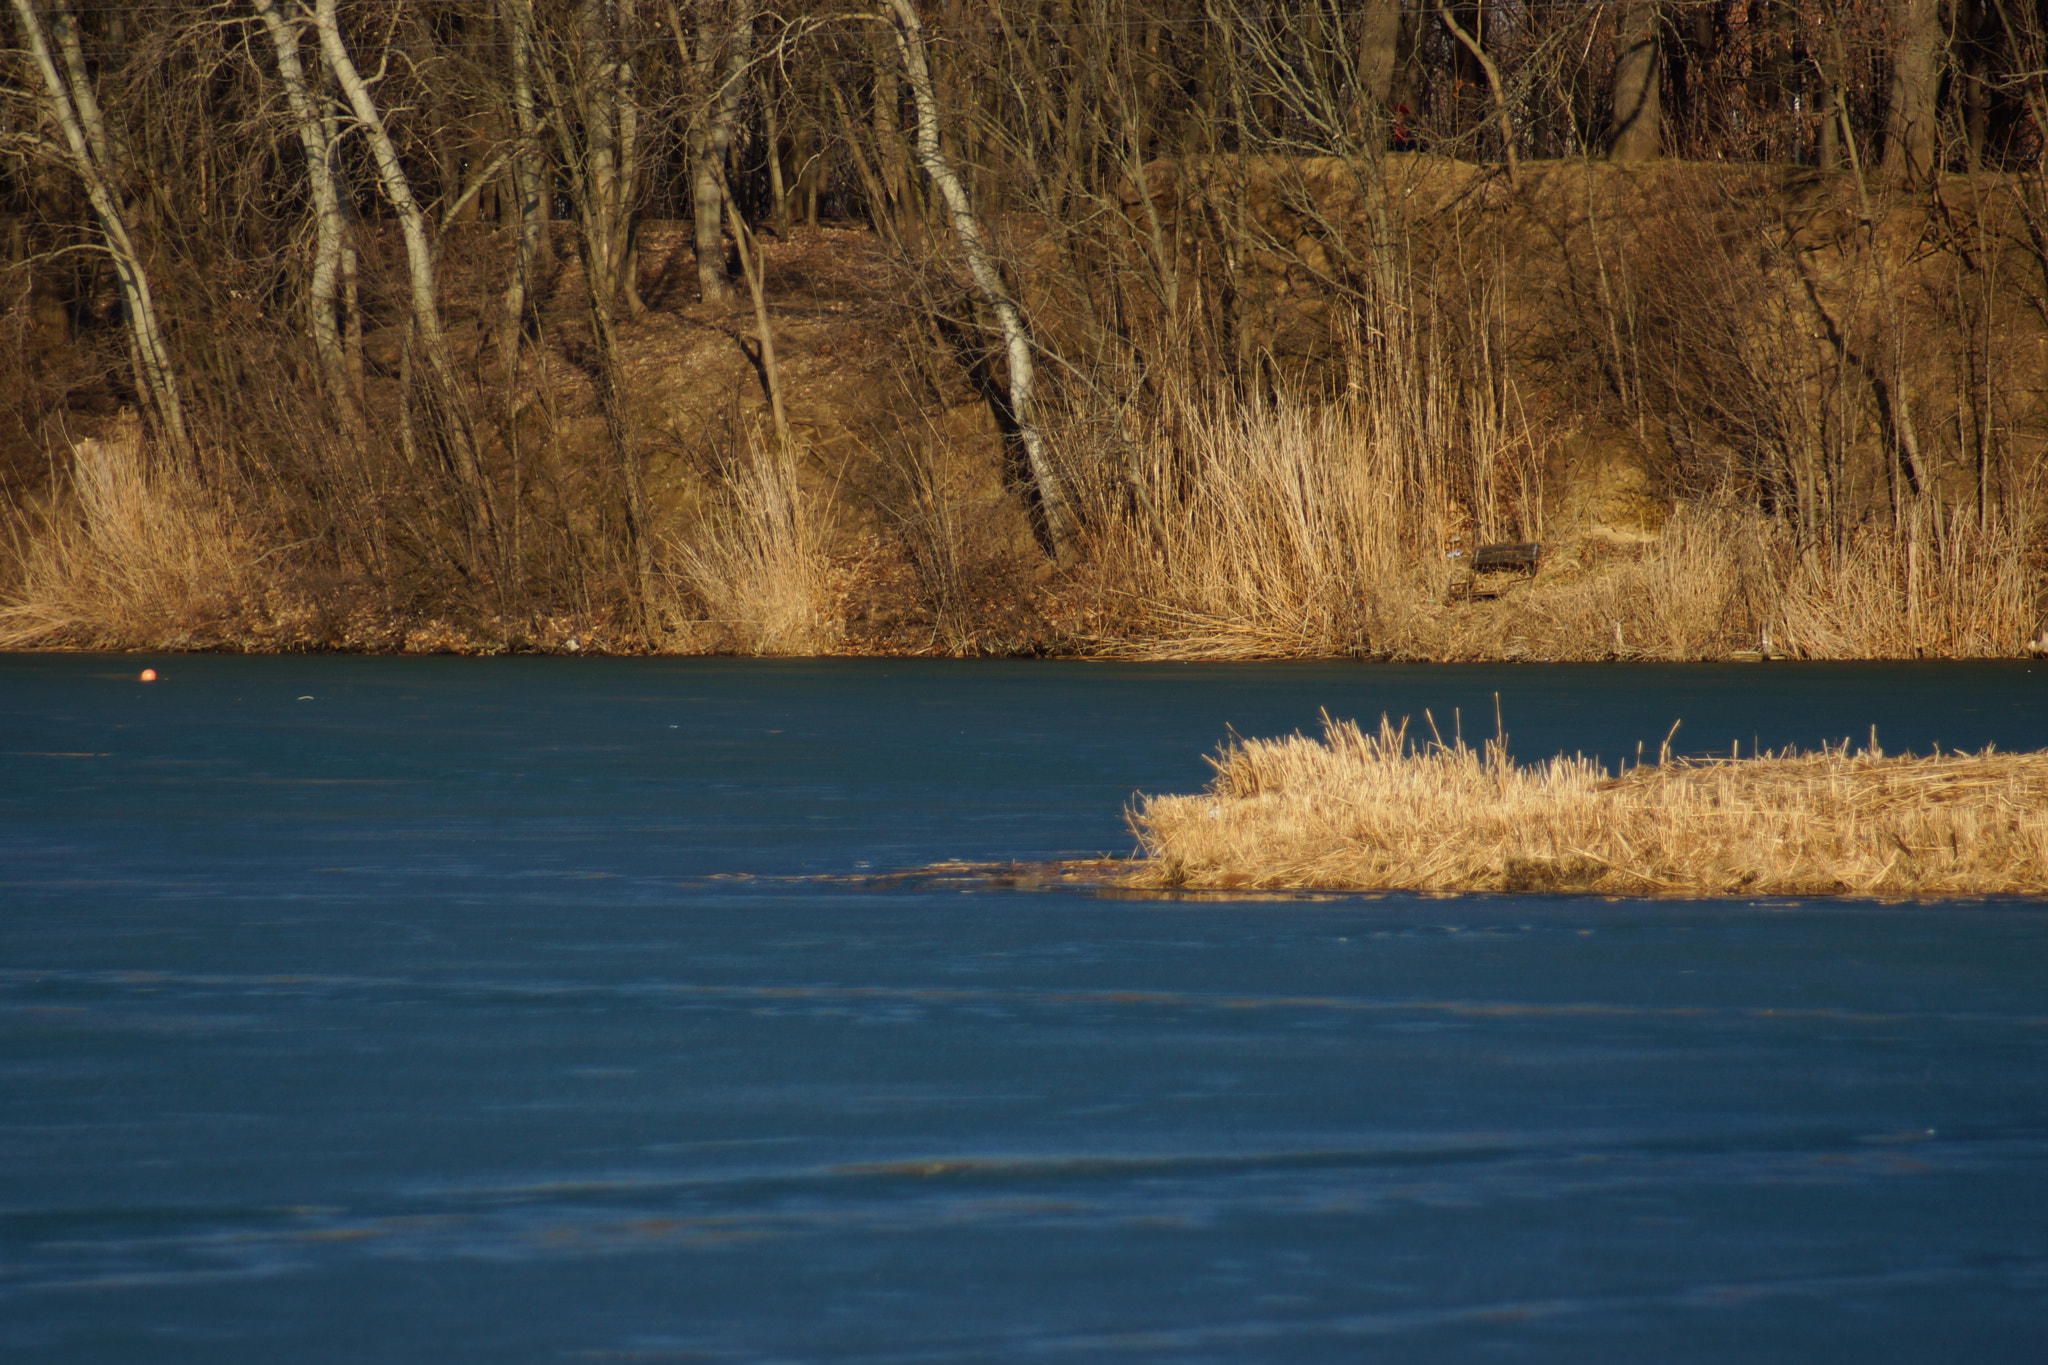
{"type": "Point", "coordinates": [964, 540]}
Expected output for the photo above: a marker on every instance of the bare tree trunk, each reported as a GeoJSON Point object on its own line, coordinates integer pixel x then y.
{"type": "Point", "coordinates": [419, 258]}
{"type": "Point", "coordinates": [526, 180]}
{"type": "Point", "coordinates": [611, 375]}
{"type": "Point", "coordinates": [892, 157]}
{"type": "Point", "coordinates": [778, 188]}
{"type": "Point", "coordinates": [412, 221]}
{"type": "Point", "coordinates": [1493, 83]}
{"type": "Point", "coordinates": [810, 163]}
{"type": "Point", "coordinates": [1909, 139]}
{"type": "Point", "coordinates": [1827, 152]}
{"type": "Point", "coordinates": [1894, 404]}
{"type": "Point", "coordinates": [75, 109]}
{"type": "Point", "coordinates": [717, 67]}
{"type": "Point", "coordinates": [1638, 117]}
{"type": "Point", "coordinates": [329, 227]}
{"type": "Point", "coordinates": [517, 16]}
{"type": "Point", "coordinates": [1379, 48]}
{"type": "Point", "coordinates": [351, 308]}
{"type": "Point", "coordinates": [347, 263]}
{"type": "Point", "coordinates": [596, 134]}
{"type": "Point", "coordinates": [870, 184]}
{"type": "Point", "coordinates": [611, 402]}
{"type": "Point", "coordinates": [1165, 255]}
{"type": "Point", "coordinates": [771, 371]}
{"type": "Point", "coordinates": [610, 117]}
{"type": "Point", "coordinates": [1051, 509]}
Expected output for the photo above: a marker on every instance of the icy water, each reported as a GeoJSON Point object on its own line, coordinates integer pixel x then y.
{"type": "Point", "coordinates": [476, 1010]}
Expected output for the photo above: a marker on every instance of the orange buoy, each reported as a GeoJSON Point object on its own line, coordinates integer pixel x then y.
{"type": "Point", "coordinates": [149, 675]}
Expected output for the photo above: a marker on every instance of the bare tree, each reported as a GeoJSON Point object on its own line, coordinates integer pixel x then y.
{"type": "Point", "coordinates": [2025, 30]}
{"type": "Point", "coordinates": [1505, 123]}
{"type": "Point", "coordinates": [70, 102]}
{"type": "Point", "coordinates": [516, 17]}
{"type": "Point", "coordinates": [444, 388]}
{"type": "Point", "coordinates": [607, 166]}
{"type": "Point", "coordinates": [1638, 133]}
{"type": "Point", "coordinates": [592, 106]}
{"type": "Point", "coordinates": [1379, 53]}
{"type": "Point", "coordinates": [317, 142]}
{"type": "Point", "coordinates": [716, 62]}
{"type": "Point", "coordinates": [1910, 126]}
{"type": "Point", "coordinates": [1051, 515]}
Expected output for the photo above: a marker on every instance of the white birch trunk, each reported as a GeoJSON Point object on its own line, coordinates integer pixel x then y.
{"type": "Point", "coordinates": [412, 221]}
{"type": "Point", "coordinates": [75, 109]}
{"type": "Point", "coordinates": [419, 251]}
{"type": "Point", "coordinates": [328, 225]}
{"type": "Point", "coordinates": [988, 280]}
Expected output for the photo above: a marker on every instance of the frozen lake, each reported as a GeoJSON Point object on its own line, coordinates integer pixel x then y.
{"type": "Point", "coordinates": [480, 1010]}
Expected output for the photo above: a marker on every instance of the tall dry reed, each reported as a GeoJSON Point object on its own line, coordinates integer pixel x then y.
{"type": "Point", "coordinates": [1290, 531]}
{"type": "Point", "coordinates": [757, 560]}
{"type": "Point", "coordinates": [1265, 532]}
{"type": "Point", "coordinates": [133, 556]}
{"type": "Point", "coordinates": [1358, 810]}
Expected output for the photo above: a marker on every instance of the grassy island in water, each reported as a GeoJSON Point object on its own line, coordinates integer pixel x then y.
{"type": "Point", "coordinates": [1358, 810]}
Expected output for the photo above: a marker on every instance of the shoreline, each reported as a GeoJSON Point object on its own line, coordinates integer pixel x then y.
{"type": "Point", "coordinates": [1123, 879]}
{"type": "Point", "coordinates": [1082, 653]}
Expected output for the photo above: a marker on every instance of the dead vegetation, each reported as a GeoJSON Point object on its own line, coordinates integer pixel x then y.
{"type": "Point", "coordinates": [1357, 810]}
{"type": "Point", "coordinates": [127, 555]}
{"type": "Point", "coordinates": [1167, 333]}
{"type": "Point", "coordinates": [757, 560]}
{"type": "Point", "coordinates": [1281, 532]}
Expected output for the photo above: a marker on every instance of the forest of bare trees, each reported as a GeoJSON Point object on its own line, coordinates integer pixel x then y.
{"type": "Point", "coordinates": [1200, 327]}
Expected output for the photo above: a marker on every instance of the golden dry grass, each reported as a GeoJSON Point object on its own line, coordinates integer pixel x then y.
{"type": "Point", "coordinates": [758, 562]}
{"type": "Point", "coordinates": [1285, 531]}
{"type": "Point", "coordinates": [134, 556]}
{"type": "Point", "coordinates": [1368, 811]}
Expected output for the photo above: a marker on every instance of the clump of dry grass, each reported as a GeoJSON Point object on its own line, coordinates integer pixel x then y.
{"type": "Point", "coordinates": [758, 561]}
{"type": "Point", "coordinates": [1357, 810]}
{"type": "Point", "coordinates": [1267, 532]}
{"type": "Point", "coordinates": [133, 556]}
{"type": "Point", "coordinates": [1287, 531]}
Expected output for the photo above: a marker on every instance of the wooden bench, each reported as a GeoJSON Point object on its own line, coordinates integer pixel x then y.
{"type": "Point", "coordinates": [1521, 558]}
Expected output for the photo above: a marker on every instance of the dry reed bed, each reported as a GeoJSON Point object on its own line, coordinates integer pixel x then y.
{"type": "Point", "coordinates": [134, 556]}
{"type": "Point", "coordinates": [757, 563]}
{"type": "Point", "coordinates": [1375, 811]}
{"type": "Point", "coordinates": [1283, 531]}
